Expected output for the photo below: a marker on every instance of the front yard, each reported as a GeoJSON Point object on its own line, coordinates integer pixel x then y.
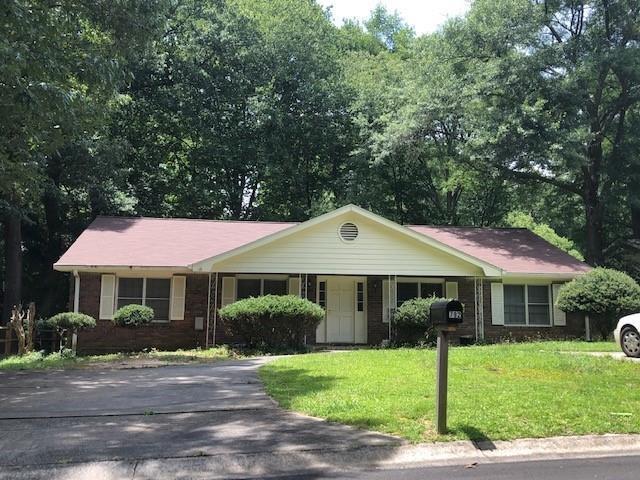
{"type": "Point", "coordinates": [496, 392]}
{"type": "Point", "coordinates": [36, 360]}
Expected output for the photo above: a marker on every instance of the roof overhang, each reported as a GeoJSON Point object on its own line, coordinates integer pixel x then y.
{"type": "Point", "coordinates": [208, 264]}
{"type": "Point", "coordinates": [121, 268]}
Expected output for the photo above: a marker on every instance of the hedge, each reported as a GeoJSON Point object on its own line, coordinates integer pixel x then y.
{"type": "Point", "coordinates": [133, 315]}
{"type": "Point", "coordinates": [272, 320]}
{"type": "Point", "coordinates": [70, 321]}
{"type": "Point", "coordinates": [412, 322]}
{"type": "Point", "coordinates": [604, 294]}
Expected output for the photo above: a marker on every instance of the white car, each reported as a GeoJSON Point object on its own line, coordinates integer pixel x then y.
{"type": "Point", "coordinates": [627, 335]}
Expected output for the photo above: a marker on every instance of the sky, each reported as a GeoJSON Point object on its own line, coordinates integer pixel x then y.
{"type": "Point", "coordinates": [424, 16]}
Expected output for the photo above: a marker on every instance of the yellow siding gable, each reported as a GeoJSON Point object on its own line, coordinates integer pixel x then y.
{"type": "Point", "coordinates": [378, 250]}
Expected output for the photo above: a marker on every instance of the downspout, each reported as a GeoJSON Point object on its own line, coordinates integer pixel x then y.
{"type": "Point", "coordinates": [215, 310]}
{"type": "Point", "coordinates": [477, 307]}
{"type": "Point", "coordinates": [76, 307]}
{"type": "Point", "coordinates": [206, 341]}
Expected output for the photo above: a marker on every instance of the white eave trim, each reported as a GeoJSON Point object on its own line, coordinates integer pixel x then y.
{"type": "Point", "coordinates": [551, 276]}
{"type": "Point", "coordinates": [120, 268]}
{"type": "Point", "coordinates": [206, 264]}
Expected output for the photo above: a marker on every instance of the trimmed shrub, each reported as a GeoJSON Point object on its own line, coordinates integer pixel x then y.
{"type": "Point", "coordinates": [272, 320]}
{"type": "Point", "coordinates": [412, 322]}
{"type": "Point", "coordinates": [133, 315]}
{"type": "Point", "coordinates": [603, 294]}
{"type": "Point", "coordinates": [70, 321]}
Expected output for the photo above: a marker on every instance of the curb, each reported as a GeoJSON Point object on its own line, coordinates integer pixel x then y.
{"type": "Point", "coordinates": [264, 464]}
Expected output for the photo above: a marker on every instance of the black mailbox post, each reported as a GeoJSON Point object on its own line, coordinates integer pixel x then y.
{"type": "Point", "coordinates": [445, 316]}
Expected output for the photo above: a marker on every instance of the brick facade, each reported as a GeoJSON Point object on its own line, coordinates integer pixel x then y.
{"type": "Point", "coordinates": [182, 334]}
{"type": "Point", "coordinates": [106, 337]}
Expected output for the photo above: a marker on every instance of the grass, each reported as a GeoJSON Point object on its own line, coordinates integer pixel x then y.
{"type": "Point", "coordinates": [496, 392]}
{"type": "Point", "coordinates": [37, 360]}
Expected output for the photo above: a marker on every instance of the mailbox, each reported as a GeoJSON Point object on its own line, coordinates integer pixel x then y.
{"type": "Point", "coordinates": [446, 312]}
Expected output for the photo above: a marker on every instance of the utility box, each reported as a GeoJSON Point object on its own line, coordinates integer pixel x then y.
{"type": "Point", "coordinates": [199, 323]}
{"type": "Point", "coordinates": [446, 312]}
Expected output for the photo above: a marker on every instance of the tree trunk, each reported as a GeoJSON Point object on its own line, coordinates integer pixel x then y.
{"type": "Point", "coordinates": [13, 264]}
{"type": "Point", "coordinates": [635, 221]}
{"type": "Point", "coordinates": [593, 205]}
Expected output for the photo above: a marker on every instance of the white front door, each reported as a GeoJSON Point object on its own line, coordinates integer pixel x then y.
{"type": "Point", "coordinates": [340, 310]}
{"type": "Point", "coordinates": [344, 301]}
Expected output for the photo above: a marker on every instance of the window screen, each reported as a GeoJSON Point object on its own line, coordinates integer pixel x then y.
{"type": "Point", "coordinates": [275, 287]}
{"type": "Point", "coordinates": [430, 290]}
{"type": "Point", "coordinates": [248, 287]}
{"type": "Point", "coordinates": [514, 305]}
{"type": "Point", "coordinates": [538, 298]}
{"type": "Point", "coordinates": [406, 291]}
{"type": "Point", "coordinates": [157, 297]}
{"type": "Point", "coordinates": [130, 291]}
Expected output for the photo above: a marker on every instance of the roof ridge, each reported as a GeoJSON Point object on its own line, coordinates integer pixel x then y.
{"type": "Point", "coordinates": [131, 217]}
{"type": "Point", "coordinates": [467, 226]}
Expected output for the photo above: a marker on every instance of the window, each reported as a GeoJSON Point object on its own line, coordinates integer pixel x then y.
{"type": "Point", "coordinates": [527, 305]}
{"type": "Point", "coordinates": [538, 304]}
{"type": "Point", "coordinates": [152, 292]}
{"type": "Point", "coordinates": [514, 305]}
{"type": "Point", "coordinates": [157, 297]}
{"type": "Point", "coordinates": [430, 290]}
{"type": "Point", "coordinates": [322, 294]}
{"type": "Point", "coordinates": [256, 287]}
{"type": "Point", "coordinates": [275, 287]}
{"type": "Point", "coordinates": [409, 290]}
{"type": "Point", "coordinates": [360, 297]}
{"type": "Point", "coordinates": [406, 291]}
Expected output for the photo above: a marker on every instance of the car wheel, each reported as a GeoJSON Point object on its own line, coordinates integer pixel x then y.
{"type": "Point", "coordinates": [630, 342]}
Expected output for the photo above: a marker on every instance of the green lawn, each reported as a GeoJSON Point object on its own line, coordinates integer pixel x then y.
{"type": "Point", "coordinates": [497, 392]}
{"type": "Point", "coordinates": [36, 360]}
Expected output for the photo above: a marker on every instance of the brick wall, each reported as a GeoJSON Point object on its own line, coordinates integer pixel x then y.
{"type": "Point", "coordinates": [497, 333]}
{"type": "Point", "coordinates": [106, 337]}
{"type": "Point", "coordinates": [181, 333]}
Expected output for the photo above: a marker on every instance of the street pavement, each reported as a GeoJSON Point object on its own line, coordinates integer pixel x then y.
{"type": "Point", "coordinates": [614, 468]}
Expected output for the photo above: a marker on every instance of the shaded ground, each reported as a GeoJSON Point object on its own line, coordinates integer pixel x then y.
{"type": "Point", "coordinates": [92, 415]}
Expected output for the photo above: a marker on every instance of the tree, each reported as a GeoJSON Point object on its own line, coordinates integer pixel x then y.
{"type": "Point", "coordinates": [603, 294]}
{"type": "Point", "coordinates": [525, 220]}
{"type": "Point", "coordinates": [550, 88]}
{"type": "Point", "coordinates": [60, 63]}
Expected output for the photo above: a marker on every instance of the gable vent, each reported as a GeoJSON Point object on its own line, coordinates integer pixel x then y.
{"type": "Point", "coordinates": [348, 232]}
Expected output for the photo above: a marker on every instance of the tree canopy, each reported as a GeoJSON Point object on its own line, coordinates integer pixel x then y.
{"type": "Point", "coordinates": [522, 112]}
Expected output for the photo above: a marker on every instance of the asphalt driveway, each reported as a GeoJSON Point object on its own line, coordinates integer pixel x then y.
{"type": "Point", "coordinates": [75, 416]}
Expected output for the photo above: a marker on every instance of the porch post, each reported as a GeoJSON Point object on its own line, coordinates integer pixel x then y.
{"type": "Point", "coordinates": [206, 337]}
{"type": "Point", "coordinates": [215, 309]}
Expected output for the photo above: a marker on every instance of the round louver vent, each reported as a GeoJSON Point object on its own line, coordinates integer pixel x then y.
{"type": "Point", "coordinates": [348, 232]}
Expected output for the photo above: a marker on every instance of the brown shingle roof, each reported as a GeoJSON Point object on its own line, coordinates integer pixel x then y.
{"type": "Point", "coordinates": [155, 242]}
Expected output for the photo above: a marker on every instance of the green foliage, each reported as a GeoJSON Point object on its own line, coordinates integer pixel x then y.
{"type": "Point", "coordinates": [524, 220]}
{"type": "Point", "coordinates": [133, 315]}
{"type": "Point", "coordinates": [70, 321]}
{"type": "Point", "coordinates": [603, 294]}
{"type": "Point", "coordinates": [412, 322]}
{"type": "Point", "coordinates": [272, 320]}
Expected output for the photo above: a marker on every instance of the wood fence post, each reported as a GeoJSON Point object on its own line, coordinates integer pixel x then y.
{"type": "Point", "coordinates": [7, 341]}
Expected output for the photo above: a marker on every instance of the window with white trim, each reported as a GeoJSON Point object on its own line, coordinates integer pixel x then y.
{"type": "Point", "coordinates": [527, 305]}
{"type": "Point", "coordinates": [408, 290]}
{"type": "Point", "coordinates": [152, 292]}
{"type": "Point", "coordinates": [256, 287]}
